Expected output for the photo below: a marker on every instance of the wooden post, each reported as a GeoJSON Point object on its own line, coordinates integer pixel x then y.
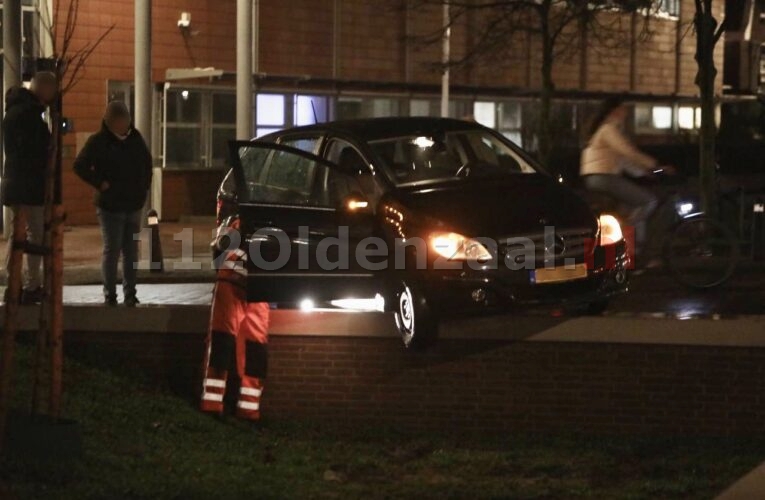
{"type": "Point", "coordinates": [56, 303]}
{"type": "Point", "coordinates": [10, 325]}
{"type": "Point", "coordinates": [55, 262]}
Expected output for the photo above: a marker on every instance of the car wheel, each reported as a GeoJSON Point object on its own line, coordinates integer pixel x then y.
{"type": "Point", "coordinates": [414, 319]}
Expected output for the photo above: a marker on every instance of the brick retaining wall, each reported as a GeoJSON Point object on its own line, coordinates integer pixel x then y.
{"type": "Point", "coordinates": [483, 384]}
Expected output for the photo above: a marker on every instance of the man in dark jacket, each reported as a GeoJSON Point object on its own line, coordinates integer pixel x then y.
{"type": "Point", "coordinates": [118, 164]}
{"type": "Point", "coordinates": [26, 140]}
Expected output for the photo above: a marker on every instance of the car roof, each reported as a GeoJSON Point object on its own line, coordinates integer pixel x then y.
{"type": "Point", "coordinates": [383, 128]}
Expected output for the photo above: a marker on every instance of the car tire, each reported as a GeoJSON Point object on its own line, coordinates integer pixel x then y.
{"type": "Point", "coordinates": [415, 320]}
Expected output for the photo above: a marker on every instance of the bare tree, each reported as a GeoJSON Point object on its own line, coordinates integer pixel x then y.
{"type": "Point", "coordinates": [708, 34]}
{"type": "Point", "coordinates": [68, 62]}
{"type": "Point", "coordinates": [562, 27]}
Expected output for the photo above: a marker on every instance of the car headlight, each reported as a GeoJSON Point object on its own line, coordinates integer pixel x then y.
{"type": "Point", "coordinates": [610, 230]}
{"type": "Point", "coordinates": [454, 246]}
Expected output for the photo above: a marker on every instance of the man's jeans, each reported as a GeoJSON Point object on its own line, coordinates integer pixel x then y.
{"type": "Point", "coordinates": [118, 230]}
{"type": "Point", "coordinates": [35, 215]}
{"type": "Point", "coordinates": [641, 201]}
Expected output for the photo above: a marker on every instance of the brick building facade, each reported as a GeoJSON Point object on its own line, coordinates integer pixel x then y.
{"type": "Point", "coordinates": [332, 59]}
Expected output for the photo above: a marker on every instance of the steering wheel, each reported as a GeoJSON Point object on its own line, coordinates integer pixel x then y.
{"type": "Point", "coordinates": [465, 170]}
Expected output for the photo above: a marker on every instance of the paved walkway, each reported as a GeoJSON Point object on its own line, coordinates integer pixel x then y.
{"type": "Point", "coordinates": [183, 294]}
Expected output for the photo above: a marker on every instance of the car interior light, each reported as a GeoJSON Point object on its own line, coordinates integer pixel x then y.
{"type": "Point", "coordinates": [423, 142]}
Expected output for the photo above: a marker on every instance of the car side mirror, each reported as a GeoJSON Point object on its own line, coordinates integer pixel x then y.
{"type": "Point", "coordinates": [355, 203]}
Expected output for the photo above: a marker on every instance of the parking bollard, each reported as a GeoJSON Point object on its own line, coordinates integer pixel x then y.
{"type": "Point", "coordinates": [157, 263]}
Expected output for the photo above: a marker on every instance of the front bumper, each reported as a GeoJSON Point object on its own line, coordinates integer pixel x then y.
{"type": "Point", "coordinates": [472, 291]}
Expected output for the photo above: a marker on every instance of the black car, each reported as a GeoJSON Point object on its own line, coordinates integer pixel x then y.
{"type": "Point", "coordinates": [433, 217]}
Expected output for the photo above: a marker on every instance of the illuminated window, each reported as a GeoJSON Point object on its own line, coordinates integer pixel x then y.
{"type": "Point", "coordinates": [485, 113]}
{"type": "Point", "coordinates": [270, 110]}
{"type": "Point", "coordinates": [689, 117]}
{"type": "Point", "coordinates": [310, 110]}
{"type": "Point", "coordinates": [662, 117]}
{"type": "Point", "coordinates": [669, 7]}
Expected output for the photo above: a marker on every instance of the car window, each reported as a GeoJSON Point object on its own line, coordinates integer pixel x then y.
{"type": "Point", "coordinates": [455, 155]}
{"type": "Point", "coordinates": [273, 176]}
{"type": "Point", "coordinates": [349, 159]}
{"type": "Point", "coordinates": [309, 144]}
{"type": "Point", "coordinates": [288, 171]}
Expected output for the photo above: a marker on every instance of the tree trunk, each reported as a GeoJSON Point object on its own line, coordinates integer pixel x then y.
{"type": "Point", "coordinates": [55, 267]}
{"type": "Point", "coordinates": [546, 96]}
{"type": "Point", "coordinates": [705, 79]}
{"type": "Point", "coordinates": [10, 325]}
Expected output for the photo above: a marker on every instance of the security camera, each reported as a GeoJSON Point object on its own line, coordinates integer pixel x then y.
{"type": "Point", "coordinates": [185, 21]}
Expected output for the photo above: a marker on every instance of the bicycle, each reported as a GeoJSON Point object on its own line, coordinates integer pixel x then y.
{"type": "Point", "coordinates": [700, 251]}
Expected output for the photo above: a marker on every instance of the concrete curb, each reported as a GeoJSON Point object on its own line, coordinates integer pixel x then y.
{"type": "Point", "coordinates": [748, 487]}
{"type": "Point", "coordinates": [179, 319]}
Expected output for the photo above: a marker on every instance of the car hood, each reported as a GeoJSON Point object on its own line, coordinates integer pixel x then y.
{"type": "Point", "coordinates": [517, 205]}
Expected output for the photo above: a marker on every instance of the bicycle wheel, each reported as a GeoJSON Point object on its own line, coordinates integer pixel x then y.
{"type": "Point", "coordinates": [701, 252]}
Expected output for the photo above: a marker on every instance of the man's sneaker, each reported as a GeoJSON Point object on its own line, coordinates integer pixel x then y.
{"type": "Point", "coordinates": [110, 301]}
{"type": "Point", "coordinates": [131, 301]}
{"type": "Point", "coordinates": [30, 297]}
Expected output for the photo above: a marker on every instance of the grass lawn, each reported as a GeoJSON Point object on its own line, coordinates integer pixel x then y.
{"type": "Point", "coordinates": [148, 443]}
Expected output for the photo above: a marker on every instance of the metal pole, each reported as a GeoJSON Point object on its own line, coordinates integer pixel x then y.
{"type": "Point", "coordinates": [244, 69]}
{"type": "Point", "coordinates": [142, 80]}
{"type": "Point", "coordinates": [11, 66]}
{"type": "Point", "coordinates": [447, 39]}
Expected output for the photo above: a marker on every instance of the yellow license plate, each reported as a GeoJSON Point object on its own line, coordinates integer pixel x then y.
{"type": "Point", "coordinates": [559, 274]}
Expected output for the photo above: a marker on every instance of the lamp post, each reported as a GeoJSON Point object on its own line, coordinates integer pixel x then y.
{"type": "Point", "coordinates": [445, 59]}
{"type": "Point", "coordinates": [244, 50]}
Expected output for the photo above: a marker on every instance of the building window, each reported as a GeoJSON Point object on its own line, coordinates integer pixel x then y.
{"type": "Point", "coordinates": [122, 91]}
{"type": "Point", "coordinates": [349, 108]}
{"type": "Point", "coordinates": [460, 109]}
{"type": "Point", "coordinates": [222, 127]}
{"type": "Point", "coordinates": [653, 119]}
{"type": "Point", "coordinates": [510, 121]}
{"type": "Point", "coordinates": [184, 126]}
{"type": "Point", "coordinates": [30, 29]}
{"type": "Point", "coordinates": [270, 113]}
{"type": "Point", "coordinates": [661, 117]}
{"type": "Point", "coordinates": [669, 7]}
{"type": "Point", "coordinates": [485, 113]}
{"type": "Point", "coordinates": [689, 117]}
{"type": "Point", "coordinates": [421, 107]}
{"type": "Point", "coordinates": [311, 109]}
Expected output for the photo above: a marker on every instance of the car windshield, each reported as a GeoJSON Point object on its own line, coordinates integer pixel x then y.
{"type": "Point", "coordinates": [451, 156]}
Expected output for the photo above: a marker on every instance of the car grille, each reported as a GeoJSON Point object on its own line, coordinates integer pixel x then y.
{"type": "Point", "coordinates": [568, 244]}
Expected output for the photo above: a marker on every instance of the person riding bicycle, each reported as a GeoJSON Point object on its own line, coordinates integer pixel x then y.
{"type": "Point", "coordinates": [608, 155]}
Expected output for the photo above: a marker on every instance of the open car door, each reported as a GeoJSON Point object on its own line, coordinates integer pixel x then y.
{"type": "Point", "coordinates": [302, 218]}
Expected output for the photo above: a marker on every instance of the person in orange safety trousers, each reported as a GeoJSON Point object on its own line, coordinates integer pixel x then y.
{"type": "Point", "coordinates": [237, 337]}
